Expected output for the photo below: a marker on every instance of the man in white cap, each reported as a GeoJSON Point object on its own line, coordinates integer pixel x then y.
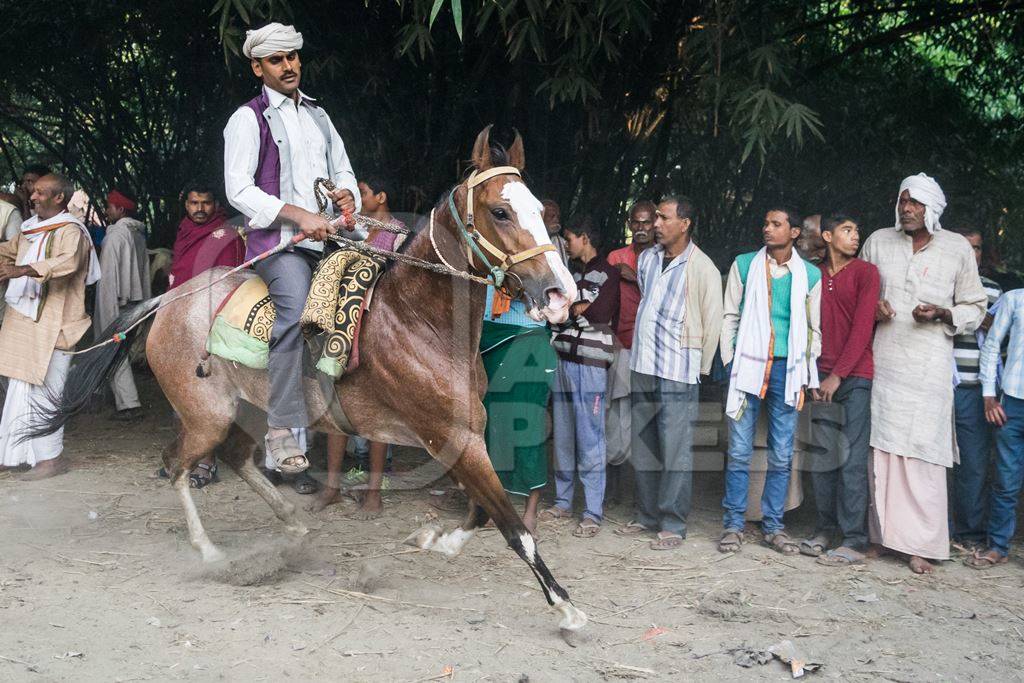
{"type": "Point", "coordinates": [931, 292]}
{"type": "Point", "coordinates": [276, 146]}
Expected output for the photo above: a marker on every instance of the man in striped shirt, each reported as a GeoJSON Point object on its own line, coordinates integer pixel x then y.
{"type": "Point", "coordinates": [676, 333]}
{"type": "Point", "coordinates": [585, 346]}
{"type": "Point", "coordinates": [973, 433]}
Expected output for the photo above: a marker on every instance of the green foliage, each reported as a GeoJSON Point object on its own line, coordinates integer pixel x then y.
{"type": "Point", "coordinates": [737, 103]}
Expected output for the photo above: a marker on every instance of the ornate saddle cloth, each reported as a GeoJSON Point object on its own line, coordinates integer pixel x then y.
{"type": "Point", "coordinates": [330, 319]}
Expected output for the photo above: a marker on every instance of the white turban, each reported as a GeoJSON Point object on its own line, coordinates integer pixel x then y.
{"type": "Point", "coordinates": [924, 189]}
{"type": "Point", "coordinates": [272, 38]}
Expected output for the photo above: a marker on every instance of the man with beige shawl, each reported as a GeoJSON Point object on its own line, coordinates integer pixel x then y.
{"type": "Point", "coordinates": [931, 292]}
{"type": "Point", "coordinates": [46, 267]}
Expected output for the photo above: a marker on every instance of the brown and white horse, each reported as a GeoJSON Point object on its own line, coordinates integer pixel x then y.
{"type": "Point", "coordinates": [419, 382]}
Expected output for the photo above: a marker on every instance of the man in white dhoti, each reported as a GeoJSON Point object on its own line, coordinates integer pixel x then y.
{"type": "Point", "coordinates": [125, 265]}
{"type": "Point", "coordinates": [931, 292]}
{"type": "Point", "coordinates": [47, 267]}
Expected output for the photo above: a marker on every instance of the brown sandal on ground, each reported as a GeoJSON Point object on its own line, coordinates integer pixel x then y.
{"type": "Point", "coordinates": [780, 542]}
{"type": "Point", "coordinates": [552, 514]}
{"type": "Point", "coordinates": [588, 528]}
{"type": "Point", "coordinates": [841, 557]}
{"type": "Point", "coordinates": [667, 541]}
{"type": "Point", "coordinates": [634, 528]}
{"type": "Point", "coordinates": [985, 560]}
{"type": "Point", "coordinates": [730, 542]}
{"type": "Point", "coordinates": [814, 546]}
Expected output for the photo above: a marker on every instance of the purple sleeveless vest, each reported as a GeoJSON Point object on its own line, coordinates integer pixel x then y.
{"type": "Point", "coordinates": [267, 178]}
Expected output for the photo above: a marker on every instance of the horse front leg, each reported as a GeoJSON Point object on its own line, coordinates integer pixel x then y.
{"type": "Point", "coordinates": [488, 500]}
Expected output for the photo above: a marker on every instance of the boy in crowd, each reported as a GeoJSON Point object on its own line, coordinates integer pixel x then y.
{"type": "Point", "coordinates": [585, 346]}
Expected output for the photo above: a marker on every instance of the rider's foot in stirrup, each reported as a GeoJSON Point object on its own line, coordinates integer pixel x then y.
{"type": "Point", "coordinates": [285, 451]}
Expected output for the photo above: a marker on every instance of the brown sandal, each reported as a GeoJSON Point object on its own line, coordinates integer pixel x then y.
{"type": "Point", "coordinates": [669, 542]}
{"type": "Point", "coordinates": [632, 529]}
{"type": "Point", "coordinates": [587, 528]}
{"type": "Point", "coordinates": [984, 560]}
{"type": "Point", "coordinates": [781, 542]}
{"type": "Point", "coordinates": [553, 514]}
{"type": "Point", "coordinates": [730, 542]}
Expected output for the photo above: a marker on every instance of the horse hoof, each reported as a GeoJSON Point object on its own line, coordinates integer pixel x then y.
{"type": "Point", "coordinates": [297, 529]}
{"type": "Point", "coordinates": [424, 537]}
{"type": "Point", "coordinates": [573, 619]}
{"type": "Point", "coordinates": [212, 554]}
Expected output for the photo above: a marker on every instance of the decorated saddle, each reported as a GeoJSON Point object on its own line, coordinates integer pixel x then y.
{"type": "Point", "coordinates": [330, 319]}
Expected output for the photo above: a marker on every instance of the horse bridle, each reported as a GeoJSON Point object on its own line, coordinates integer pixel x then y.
{"type": "Point", "coordinates": [475, 243]}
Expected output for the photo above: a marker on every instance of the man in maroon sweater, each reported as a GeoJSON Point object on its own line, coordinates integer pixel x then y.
{"type": "Point", "coordinates": [849, 294]}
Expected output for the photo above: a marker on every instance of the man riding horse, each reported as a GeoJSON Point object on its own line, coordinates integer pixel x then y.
{"type": "Point", "coordinates": [275, 147]}
{"type": "Point", "coordinates": [427, 310]}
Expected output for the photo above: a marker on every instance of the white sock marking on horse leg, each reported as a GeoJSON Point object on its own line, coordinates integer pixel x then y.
{"type": "Point", "coordinates": [529, 547]}
{"type": "Point", "coordinates": [196, 533]}
{"type": "Point", "coordinates": [573, 619]}
{"type": "Point", "coordinates": [451, 543]}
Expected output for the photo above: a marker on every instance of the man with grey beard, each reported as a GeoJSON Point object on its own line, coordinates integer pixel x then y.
{"type": "Point", "coordinates": [640, 221]}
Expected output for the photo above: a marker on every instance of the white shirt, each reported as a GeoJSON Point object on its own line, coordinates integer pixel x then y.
{"type": "Point", "coordinates": [308, 156]}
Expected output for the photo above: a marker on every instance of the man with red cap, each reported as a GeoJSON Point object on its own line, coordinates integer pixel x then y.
{"type": "Point", "coordinates": [125, 281]}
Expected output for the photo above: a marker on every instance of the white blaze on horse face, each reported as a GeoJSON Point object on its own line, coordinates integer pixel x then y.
{"type": "Point", "coordinates": [529, 210]}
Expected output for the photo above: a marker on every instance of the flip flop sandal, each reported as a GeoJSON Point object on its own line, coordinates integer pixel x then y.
{"type": "Point", "coordinates": [840, 557]}
{"type": "Point", "coordinates": [304, 485]}
{"type": "Point", "coordinates": [730, 542]}
{"type": "Point", "coordinates": [814, 546]}
{"type": "Point", "coordinates": [198, 480]}
{"type": "Point", "coordinates": [632, 529]}
{"type": "Point", "coordinates": [553, 514]}
{"type": "Point", "coordinates": [588, 528]}
{"type": "Point", "coordinates": [980, 562]}
{"type": "Point", "coordinates": [670, 542]}
{"type": "Point", "coordinates": [781, 543]}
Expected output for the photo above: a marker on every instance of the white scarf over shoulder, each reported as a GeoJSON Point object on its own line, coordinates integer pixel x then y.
{"type": "Point", "coordinates": [753, 339]}
{"type": "Point", "coordinates": [24, 294]}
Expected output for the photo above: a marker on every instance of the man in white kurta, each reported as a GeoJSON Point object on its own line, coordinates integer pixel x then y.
{"type": "Point", "coordinates": [46, 267]}
{"type": "Point", "coordinates": [931, 292]}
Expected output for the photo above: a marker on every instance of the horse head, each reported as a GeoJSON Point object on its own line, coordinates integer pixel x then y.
{"type": "Point", "coordinates": [501, 208]}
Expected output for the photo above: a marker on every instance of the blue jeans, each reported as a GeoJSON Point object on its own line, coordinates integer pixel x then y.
{"type": "Point", "coordinates": [1009, 471]}
{"type": "Point", "coordinates": [578, 412]}
{"type": "Point", "coordinates": [968, 489]}
{"type": "Point", "coordinates": [781, 429]}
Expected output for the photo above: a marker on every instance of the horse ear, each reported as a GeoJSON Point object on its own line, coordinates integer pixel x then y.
{"type": "Point", "coordinates": [516, 153]}
{"type": "Point", "coordinates": [482, 150]}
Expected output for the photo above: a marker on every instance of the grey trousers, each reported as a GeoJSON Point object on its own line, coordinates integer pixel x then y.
{"type": "Point", "coordinates": [664, 413]}
{"type": "Point", "coordinates": [840, 473]}
{"type": "Point", "coordinates": [122, 383]}
{"type": "Point", "coordinates": [288, 275]}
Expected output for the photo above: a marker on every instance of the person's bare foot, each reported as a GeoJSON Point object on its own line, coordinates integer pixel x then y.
{"type": "Point", "coordinates": [919, 565]}
{"type": "Point", "coordinates": [874, 552]}
{"type": "Point", "coordinates": [327, 497]}
{"type": "Point", "coordinates": [46, 469]}
{"type": "Point", "coordinates": [371, 507]}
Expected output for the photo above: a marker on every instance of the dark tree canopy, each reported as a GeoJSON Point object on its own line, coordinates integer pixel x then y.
{"type": "Point", "coordinates": [736, 103]}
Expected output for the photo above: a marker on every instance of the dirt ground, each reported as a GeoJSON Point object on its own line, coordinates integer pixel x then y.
{"type": "Point", "coordinates": [98, 582]}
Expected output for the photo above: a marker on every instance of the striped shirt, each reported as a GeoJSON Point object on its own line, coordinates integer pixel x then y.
{"type": "Point", "coordinates": [658, 336]}
{"type": "Point", "coordinates": [1009, 320]}
{"type": "Point", "coordinates": [966, 352]}
{"type": "Point", "coordinates": [589, 338]}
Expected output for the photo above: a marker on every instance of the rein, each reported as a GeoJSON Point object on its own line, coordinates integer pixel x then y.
{"type": "Point", "coordinates": [472, 238]}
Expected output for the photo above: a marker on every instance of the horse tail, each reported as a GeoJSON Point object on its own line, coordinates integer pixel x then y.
{"type": "Point", "coordinates": [88, 373]}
